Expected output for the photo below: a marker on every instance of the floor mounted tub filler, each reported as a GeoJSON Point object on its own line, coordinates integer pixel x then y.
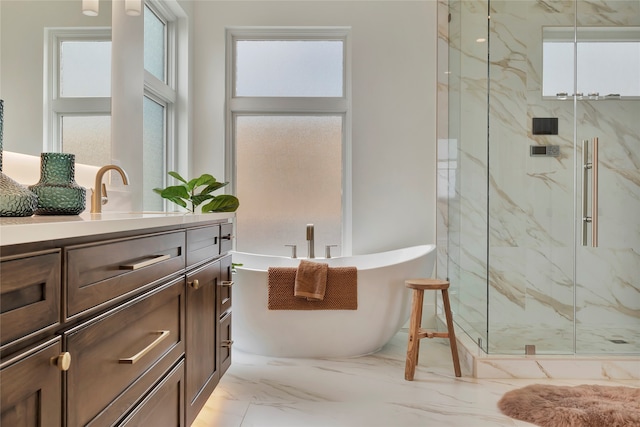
{"type": "Point", "coordinates": [384, 305]}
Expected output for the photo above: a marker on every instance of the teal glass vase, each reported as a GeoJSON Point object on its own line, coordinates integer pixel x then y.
{"type": "Point", "coordinates": [58, 193]}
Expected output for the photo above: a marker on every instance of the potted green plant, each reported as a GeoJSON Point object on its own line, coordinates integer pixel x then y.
{"type": "Point", "coordinates": [191, 194]}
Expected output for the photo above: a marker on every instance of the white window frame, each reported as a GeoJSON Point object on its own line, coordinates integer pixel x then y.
{"type": "Point", "coordinates": [246, 105]}
{"type": "Point", "coordinates": [165, 93]}
{"type": "Point", "coordinates": [54, 106]}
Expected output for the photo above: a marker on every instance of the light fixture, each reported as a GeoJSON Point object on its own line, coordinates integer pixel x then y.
{"type": "Point", "coordinates": [90, 7]}
{"type": "Point", "coordinates": [133, 7]}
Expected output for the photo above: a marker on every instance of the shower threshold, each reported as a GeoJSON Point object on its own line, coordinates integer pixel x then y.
{"type": "Point", "coordinates": [478, 364]}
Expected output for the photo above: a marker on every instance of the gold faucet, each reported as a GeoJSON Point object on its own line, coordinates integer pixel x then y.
{"type": "Point", "coordinates": [96, 197]}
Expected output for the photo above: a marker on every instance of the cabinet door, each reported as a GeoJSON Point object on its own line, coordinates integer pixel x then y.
{"type": "Point", "coordinates": [31, 392]}
{"type": "Point", "coordinates": [202, 321]}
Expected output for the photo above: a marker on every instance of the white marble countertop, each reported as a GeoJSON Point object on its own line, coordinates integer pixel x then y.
{"type": "Point", "coordinates": [48, 227]}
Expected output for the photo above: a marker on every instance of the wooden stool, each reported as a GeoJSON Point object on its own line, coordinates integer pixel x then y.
{"type": "Point", "coordinates": [416, 333]}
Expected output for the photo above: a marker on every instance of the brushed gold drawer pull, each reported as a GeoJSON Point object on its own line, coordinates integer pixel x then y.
{"type": "Point", "coordinates": [195, 284]}
{"type": "Point", "coordinates": [227, 283]}
{"type": "Point", "coordinates": [154, 260]}
{"type": "Point", "coordinates": [226, 343]}
{"type": "Point", "coordinates": [63, 361]}
{"type": "Point", "coordinates": [131, 360]}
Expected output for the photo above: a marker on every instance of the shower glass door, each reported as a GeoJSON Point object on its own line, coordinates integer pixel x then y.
{"type": "Point", "coordinates": [607, 123]}
{"type": "Point", "coordinates": [531, 288]}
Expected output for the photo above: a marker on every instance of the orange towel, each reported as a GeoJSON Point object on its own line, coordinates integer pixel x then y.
{"type": "Point", "coordinates": [311, 280]}
{"type": "Point", "coordinates": [341, 293]}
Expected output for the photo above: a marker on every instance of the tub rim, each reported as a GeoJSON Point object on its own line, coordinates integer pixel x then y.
{"type": "Point", "coordinates": [420, 251]}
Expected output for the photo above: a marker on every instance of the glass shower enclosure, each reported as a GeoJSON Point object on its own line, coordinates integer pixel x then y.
{"type": "Point", "coordinates": [539, 173]}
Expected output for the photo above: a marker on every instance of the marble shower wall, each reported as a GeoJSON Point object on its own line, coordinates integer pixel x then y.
{"type": "Point", "coordinates": [514, 218]}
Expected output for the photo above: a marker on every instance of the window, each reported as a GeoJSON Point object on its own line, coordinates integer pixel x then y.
{"type": "Point", "coordinates": [78, 93]}
{"type": "Point", "coordinates": [289, 119]}
{"type": "Point", "coordinates": [158, 102]}
{"type": "Point", "coordinates": [607, 62]}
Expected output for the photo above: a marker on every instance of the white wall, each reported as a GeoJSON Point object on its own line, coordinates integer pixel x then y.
{"type": "Point", "coordinates": [393, 105]}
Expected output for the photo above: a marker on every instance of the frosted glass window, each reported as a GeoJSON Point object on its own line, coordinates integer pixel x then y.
{"type": "Point", "coordinates": [289, 68]}
{"type": "Point", "coordinates": [617, 70]}
{"type": "Point", "coordinates": [607, 61]}
{"type": "Point", "coordinates": [85, 69]}
{"type": "Point", "coordinates": [289, 174]}
{"type": "Point", "coordinates": [88, 137]}
{"type": "Point", "coordinates": [557, 71]}
{"type": "Point", "coordinates": [154, 153]}
{"type": "Point", "coordinates": [155, 43]}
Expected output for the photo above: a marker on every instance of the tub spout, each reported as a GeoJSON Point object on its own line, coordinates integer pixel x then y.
{"type": "Point", "coordinates": [293, 251]}
{"type": "Point", "coordinates": [310, 241]}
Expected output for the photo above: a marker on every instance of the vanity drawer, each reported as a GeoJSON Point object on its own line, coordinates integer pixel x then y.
{"type": "Point", "coordinates": [165, 404]}
{"type": "Point", "coordinates": [30, 293]}
{"type": "Point", "coordinates": [226, 342]}
{"type": "Point", "coordinates": [225, 284]}
{"type": "Point", "coordinates": [121, 354]}
{"type": "Point", "coordinates": [203, 243]}
{"type": "Point", "coordinates": [104, 271]}
{"type": "Point", "coordinates": [226, 234]}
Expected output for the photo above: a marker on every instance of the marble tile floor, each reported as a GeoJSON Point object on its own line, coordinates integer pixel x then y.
{"type": "Point", "coordinates": [368, 391]}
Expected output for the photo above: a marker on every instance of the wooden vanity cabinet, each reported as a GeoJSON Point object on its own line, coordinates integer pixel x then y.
{"type": "Point", "coordinates": [142, 315]}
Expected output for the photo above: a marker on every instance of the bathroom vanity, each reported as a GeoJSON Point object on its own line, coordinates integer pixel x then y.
{"type": "Point", "coordinates": [113, 319]}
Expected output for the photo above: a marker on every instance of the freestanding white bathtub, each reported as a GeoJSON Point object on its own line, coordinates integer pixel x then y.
{"type": "Point", "coordinates": [384, 305]}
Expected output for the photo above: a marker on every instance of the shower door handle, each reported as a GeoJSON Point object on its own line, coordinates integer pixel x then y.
{"type": "Point", "coordinates": [593, 219]}
{"type": "Point", "coordinates": [594, 195]}
{"type": "Point", "coordinates": [585, 192]}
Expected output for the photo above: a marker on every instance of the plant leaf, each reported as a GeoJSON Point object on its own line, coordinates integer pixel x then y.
{"type": "Point", "coordinates": [177, 176]}
{"type": "Point", "coordinates": [199, 198]}
{"type": "Point", "coordinates": [213, 187]}
{"type": "Point", "coordinates": [222, 203]}
{"type": "Point", "coordinates": [175, 191]}
{"type": "Point", "coordinates": [205, 179]}
{"type": "Point", "coordinates": [191, 184]}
